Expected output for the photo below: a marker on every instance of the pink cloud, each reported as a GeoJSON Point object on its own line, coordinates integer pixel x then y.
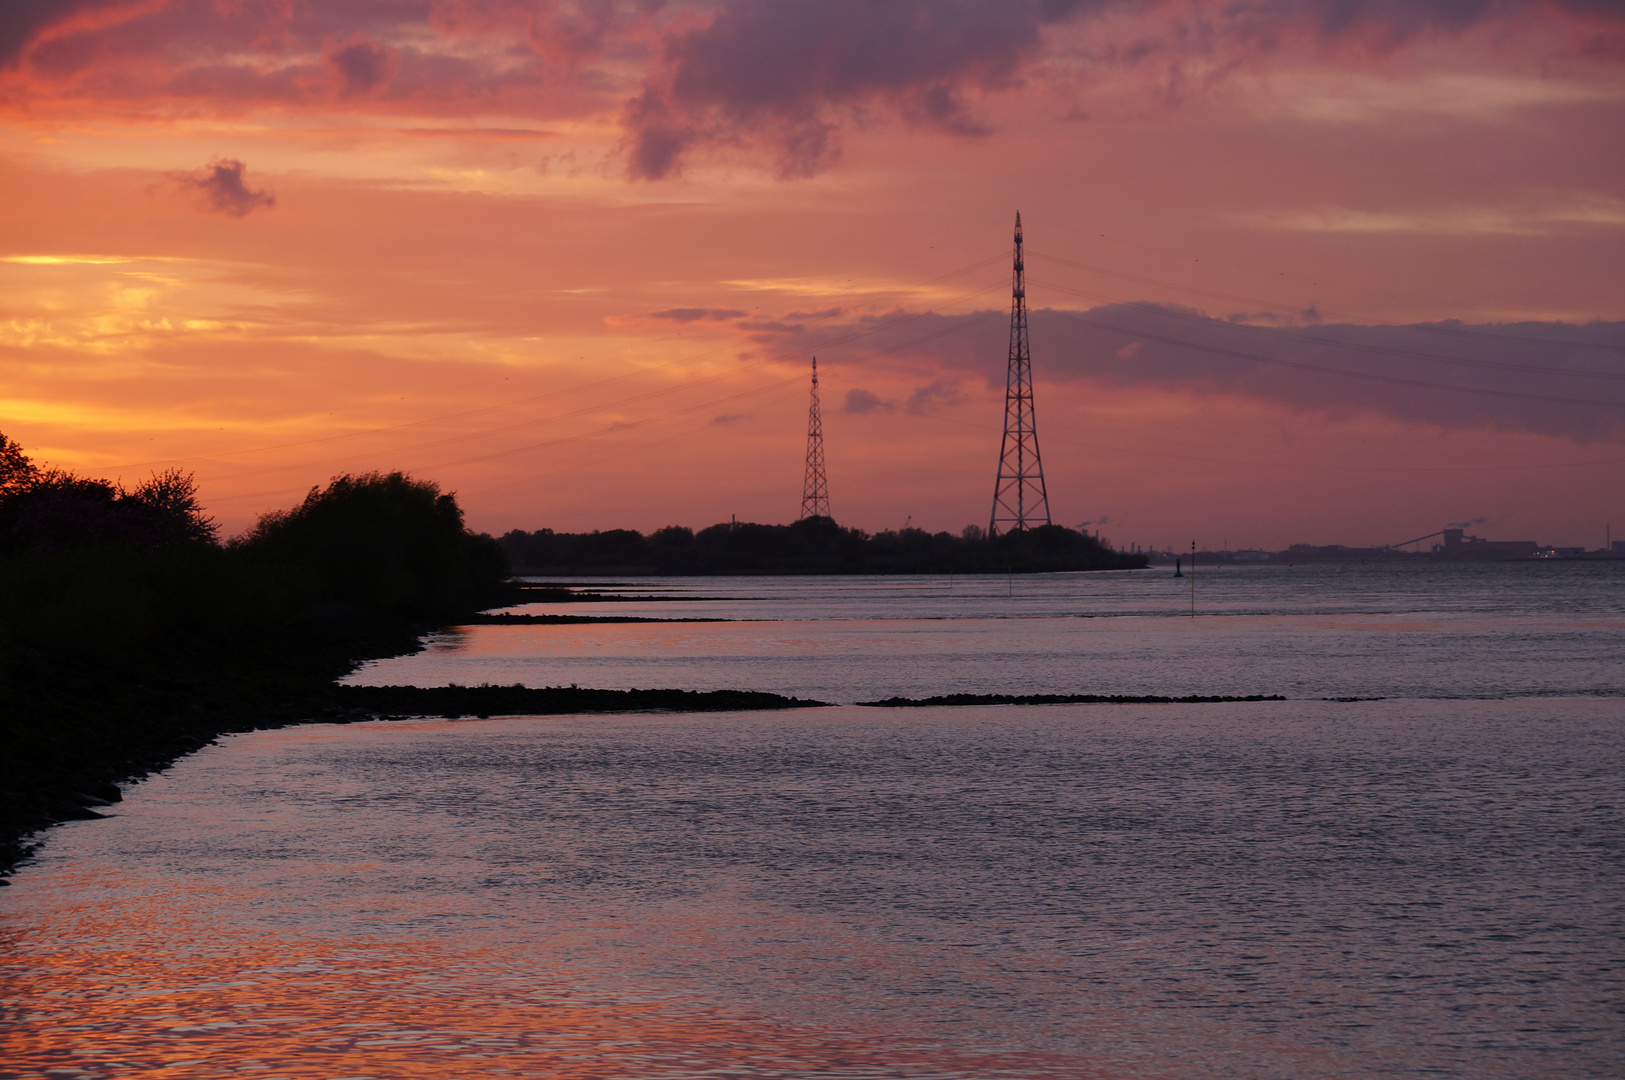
{"type": "Point", "coordinates": [785, 79]}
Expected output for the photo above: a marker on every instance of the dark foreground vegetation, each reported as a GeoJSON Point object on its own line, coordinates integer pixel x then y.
{"type": "Point", "coordinates": [130, 635]}
{"type": "Point", "coordinates": [811, 546]}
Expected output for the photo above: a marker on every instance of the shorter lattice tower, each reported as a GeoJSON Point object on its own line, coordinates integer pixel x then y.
{"type": "Point", "coordinates": [815, 488]}
{"type": "Point", "coordinates": [1019, 498]}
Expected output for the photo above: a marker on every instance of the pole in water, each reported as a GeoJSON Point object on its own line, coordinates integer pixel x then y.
{"type": "Point", "coordinates": [1193, 579]}
{"type": "Point", "coordinates": [1178, 562]}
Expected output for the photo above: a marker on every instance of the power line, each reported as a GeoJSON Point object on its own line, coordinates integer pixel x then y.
{"type": "Point", "coordinates": [893, 323]}
{"type": "Point", "coordinates": [1372, 376]}
{"type": "Point", "coordinates": [1215, 294]}
{"type": "Point", "coordinates": [1281, 464]}
{"type": "Point", "coordinates": [1392, 294]}
{"type": "Point", "coordinates": [1310, 339]}
{"type": "Point", "coordinates": [941, 332]}
{"type": "Point", "coordinates": [770, 361]}
{"type": "Point", "coordinates": [979, 264]}
{"type": "Point", "coordinates": [712, 403]}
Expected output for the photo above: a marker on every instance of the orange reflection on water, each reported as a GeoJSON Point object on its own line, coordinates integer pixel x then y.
{"type": "Point", "coordinates": [243, 1005]}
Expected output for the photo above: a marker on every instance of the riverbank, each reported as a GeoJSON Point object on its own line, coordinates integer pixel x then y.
{"type": "Point", "coordinates": [78, 728]}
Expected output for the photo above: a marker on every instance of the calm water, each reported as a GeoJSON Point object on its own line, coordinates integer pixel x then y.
{"type": "Point", "coordinates": [1491, 631]}
{"type": "Point", "coordinates": [1423, 885]}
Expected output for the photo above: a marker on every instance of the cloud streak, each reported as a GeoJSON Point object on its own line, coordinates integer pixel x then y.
{"type": "Point", "coordinates": [1548, 378]}
{"type": "Point", "coordinates": [694, 314]}
{"type": "Point", "coordinates": [1587, 211]}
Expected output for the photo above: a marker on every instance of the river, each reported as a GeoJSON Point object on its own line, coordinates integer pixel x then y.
{"type": "Point", "coordinates": [1425, 881]}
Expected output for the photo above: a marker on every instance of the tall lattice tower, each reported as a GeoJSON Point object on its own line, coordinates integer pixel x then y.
{"type": "Point", "coordinates": [815, 488]}
{"type": "Point", "coordinates": [1019, 498]}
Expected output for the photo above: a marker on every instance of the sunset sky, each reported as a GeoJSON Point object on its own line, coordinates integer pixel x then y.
{"type": "Point", "coordinates": [1319, 271]}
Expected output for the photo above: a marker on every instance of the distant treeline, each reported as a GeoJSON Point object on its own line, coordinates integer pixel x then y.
{"type": "Point", "coordinates": [811, 546]}
{"type": "Point", "coordinates": [130, 633]}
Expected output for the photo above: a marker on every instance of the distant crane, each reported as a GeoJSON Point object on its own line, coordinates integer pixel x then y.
{"type": "Point", "coordinates": [1417, 540]}
{"type": "Point", "coordinates": [1019, 498]}
{"type": "Point", "coordinates": [815, 486]}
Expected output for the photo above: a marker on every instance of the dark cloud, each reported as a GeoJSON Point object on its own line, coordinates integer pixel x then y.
{"type": "Point", "coordinates": [362, 67]}
{"type": "Point", "coordinates": [781, 77]}
{"type": "Point", "coordinates": [730, 419]}
{"type": "Point", "coordinates": [859, 401]}
{"type": "Point", "coordinates": [939, 392]}
{"type": "Point", "coordinates": [786, 73]}
{"type": "Point", "coordinates": [697, 314]}
{"type": "Point", "coordinates": [1468, 523]}
{"type": "Point", "coordinates": [1385, 22]}
{"type": "Point", "coordinates": [1391, 23]}
{"type": "Point", "coordinates": [1558, 379]}
{"type": "Point", "coordinates": [1309, 316]}
{"type": "Point", "coordinates": [263, 51]}
{"type": "Point", "coordinates": [1548, 378]}
{"type": "Point", "coordinates": [222, 189]}
{"type": "Point", "coordinates": [22, 21]}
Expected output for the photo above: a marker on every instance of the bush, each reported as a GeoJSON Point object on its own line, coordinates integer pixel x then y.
{"type": "Point", "coordinates": [91, 570]}
{"type": "Point", "coordinates": [56, 510]}
{"type": "Point", "coordinates": [386, 543]}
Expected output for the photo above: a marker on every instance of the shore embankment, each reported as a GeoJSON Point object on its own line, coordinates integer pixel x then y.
{"type": "Point", "coordinates": [78, 728]}
{"type": "Point", "coordinates": [131, 635]}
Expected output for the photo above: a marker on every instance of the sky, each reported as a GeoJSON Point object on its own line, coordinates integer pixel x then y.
{"type": "Point", "coordinates": [1300, 271]}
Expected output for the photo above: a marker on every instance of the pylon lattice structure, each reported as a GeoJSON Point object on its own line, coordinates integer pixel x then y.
{"type": "Point", "coordinates": [815, 488]}
{"type": "Point", "coordinates": [1019, 498]}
